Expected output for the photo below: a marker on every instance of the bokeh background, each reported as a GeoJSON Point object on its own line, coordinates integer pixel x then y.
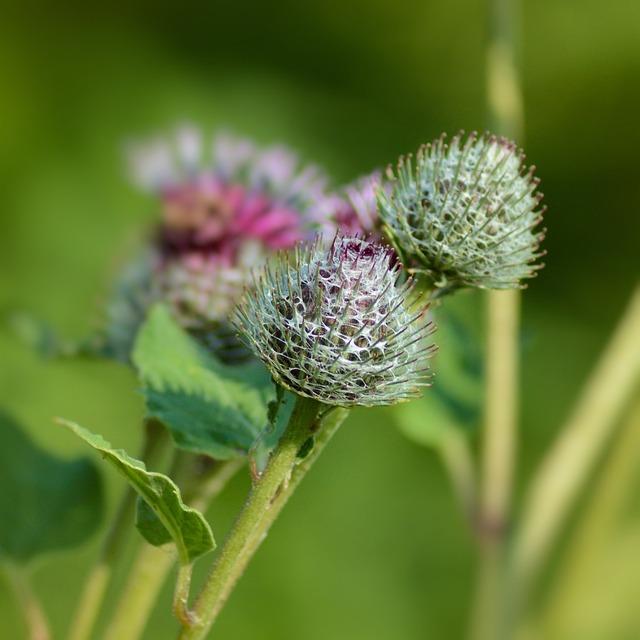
{"type": "Point", "coordinates": [372, 546]}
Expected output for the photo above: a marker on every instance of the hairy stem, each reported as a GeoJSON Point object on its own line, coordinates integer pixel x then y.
{"type": "Point", "coordinates": [501, 399]}
{"type": "Point", "coordinates": [567, 466]}
{"type": "Point", "coordinates": [152, 564]}
{"type": "Point", "coordinates": [258, 513]}
{"type": "Point", "coordinates": [97, 582]}
{"type": "Point", "coordinates": [181, 596]}
{"type": "Point", "coordinates": [330, 422]}
{"type": "Point", "coordinates": [32, 612]}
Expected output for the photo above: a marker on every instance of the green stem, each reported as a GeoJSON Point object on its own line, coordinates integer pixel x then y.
{"type": "Point", "coordinates": [505, 104]}
{"type": "Point", "coordinates": [97, 582]}
{"type": "Point", "coordinates": [330, 422]}
{"type": "Point", "coordinates": [148, 573]}
{"type": "Point", "coordinates": [34, 617]}
{"type": "Point", "coordinates": [152, 564]}
{"type": "Point", "coordinates": [501, 409]}
{"type": "Point", "coordinates": [567, 467]}
{"type": "Point", "coordinates": [251, 521]}
{"type": "Point", "coordinates": [504, 94]}
{"type": "Point", "coordinates": [497, 464]}
{"type": "Point", "coordinates": [181, 597]}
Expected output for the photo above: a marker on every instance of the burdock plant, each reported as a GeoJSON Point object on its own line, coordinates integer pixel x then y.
{"type": "Point", "coordinates": [335, 326]}
{"type": "Point", "coordinates": [249, 245]}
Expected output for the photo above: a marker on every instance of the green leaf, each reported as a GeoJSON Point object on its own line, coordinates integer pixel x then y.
{"type": "Point", "coordinates": [46, 503]}
{"type": "Point", "coordinates": [209, 408]}
{"type": "Point", "coordinates": [150, 526]}
{"type": "Point", "coordinates": [184, 525]}
{"type": "Point", "coordinates": [455, 399]}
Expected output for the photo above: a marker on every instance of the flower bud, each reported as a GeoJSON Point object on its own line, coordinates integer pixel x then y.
{"type": "Point", "coordinates": [465, 214]}
{"type": "Point", "coordinates": [336, 324]}
{"type": "Point", "coordinates": [225, 207]}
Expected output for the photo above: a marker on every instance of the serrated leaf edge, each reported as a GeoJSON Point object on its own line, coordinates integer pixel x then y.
{"type": "Point", "coordinates": [119, 457]}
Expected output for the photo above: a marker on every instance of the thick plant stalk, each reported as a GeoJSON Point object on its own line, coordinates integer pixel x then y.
{"type": "Point", "coordinates": [567, 466]}
{"type": "Point", "coordinates": [255, 518]}
{"type": "Point", "coordinates": [501, 409]}
{"type": "Point", "coordinates": [152, 564]}
{"type": "Point", "coordinates": [503, 307]}
{"type": "Point", "coordinates": [503, 324]}
{"type": "Point", "coordinates": [498, 459]}
{"type": "Point", "coordinates": [97, 582]}
{"type": "Point", "coordinates": [148, 573]}
{"type": "Point", "coordinates": [504, 95]}
{"type": "Point", "coordinates": [330, 423]}
{"type": "Point", "coordinates": [34, 616]}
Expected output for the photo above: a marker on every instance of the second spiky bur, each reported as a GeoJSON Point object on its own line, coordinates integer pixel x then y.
{"type": "Point", "coordinates": [335, 325]}
{"type": "Point", "coordinates": [465, 213]}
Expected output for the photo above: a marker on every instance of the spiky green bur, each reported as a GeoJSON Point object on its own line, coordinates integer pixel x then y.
{"type": "Point", "coordinates": [465, 213]}
{"type": "Point", "coordinates": [335, 325]}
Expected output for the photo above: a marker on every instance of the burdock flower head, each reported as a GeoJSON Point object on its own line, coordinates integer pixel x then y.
{"type": "Point", "coordinates": [225, 206]}
{"type": "Point", "coordinates": [336, 324]}
{"type": "Point", "coordinates": [223, 213]}
{"type": "Point", "coordinates": [465, 214]}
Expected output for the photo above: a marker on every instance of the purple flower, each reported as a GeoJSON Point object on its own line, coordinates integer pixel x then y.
{"type": "Point", "coordinates": [223, 213]}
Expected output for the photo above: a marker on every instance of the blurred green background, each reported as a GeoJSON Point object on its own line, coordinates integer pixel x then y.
{"type": "Point", "coordinates": [372, 546]}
